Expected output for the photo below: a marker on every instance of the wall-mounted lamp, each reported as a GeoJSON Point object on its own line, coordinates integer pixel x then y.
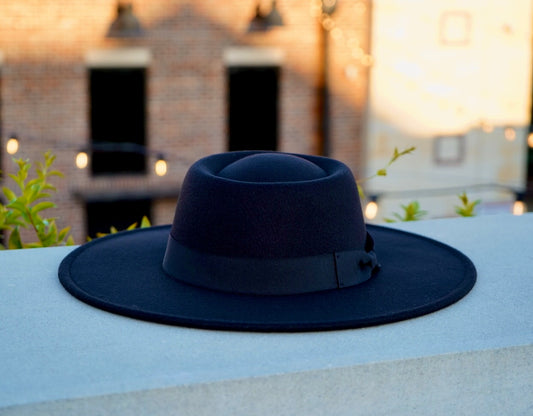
{"type": "Point", "coordinates": [126, 24]}
{"type": "Point", "coordinates": [262, 22]}
{"type": "Point", "coordinates": [12, 145]}
{"type": "Point", "coordinates": [329, 6]}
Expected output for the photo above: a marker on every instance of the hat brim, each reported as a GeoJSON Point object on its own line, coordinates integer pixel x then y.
{"type": "Point", "coordinates": [122, 273]}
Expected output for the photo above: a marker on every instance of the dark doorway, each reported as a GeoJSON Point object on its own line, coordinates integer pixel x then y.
{"type": "Point", "coordinates": [102, 215]}
{"type": "Point", "coordinates": [253, 107]}
{"type": "Point", "coordinates": [117, 111]}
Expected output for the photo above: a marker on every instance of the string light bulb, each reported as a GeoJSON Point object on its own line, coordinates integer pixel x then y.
{"type": "Point", "coordinates": [160, 166]}
{"type": "Point", "coordinates": [487, 126]}
{"type": "Point", "coordinates": [12, 145]}
{"type": "Point", "coordinates": [82, 160]}
{"type": "Point", "coordinates": [519, 207]}
{"type": "Point", "coordinates": [371, 209]}
{"type": "Point", "coordinates": [510, 134]}
{"type": "Point", "coordinates": [530, 140]}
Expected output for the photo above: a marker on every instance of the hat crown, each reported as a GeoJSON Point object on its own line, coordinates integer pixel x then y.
{"type": "Point", "coordinates": [269, 205]}
{"type": "Point", "coordinates": [272, 168]}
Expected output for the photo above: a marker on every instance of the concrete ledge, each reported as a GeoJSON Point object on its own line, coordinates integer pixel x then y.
{"type": "Point", "coordinates": [60, 356]}
{"type": "Point", "coordinates": [486, 383]}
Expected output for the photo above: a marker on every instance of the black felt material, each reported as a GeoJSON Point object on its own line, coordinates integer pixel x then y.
{"type": "Point", "coordinates": [298, 218]}
{"type": "Point", "coordinates": [265, 241]}
{"type": "Point", "coordinates": [122, 273]}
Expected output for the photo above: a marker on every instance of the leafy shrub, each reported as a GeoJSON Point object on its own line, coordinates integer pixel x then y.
{"type": "Point", "coordinates": [145, 223]}
{"type": "Point", "coordinates": [467, 207]}
{"type": "Point", "coordinates": [25, 205]}
{"type": "Point", "coordinates": [411, 212]}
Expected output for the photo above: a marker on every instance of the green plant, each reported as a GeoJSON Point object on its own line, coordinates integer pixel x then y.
{"type": "Point", "coordinates": [383, 171]}
{"type": "Point", "coordinates": [467, 207]}
{"type": "Point", "coordinates": [411, 212]}
{"type": "Point", "coordinates": [145, 223]}
{"type": "Point", "coordinates": [25, 205]}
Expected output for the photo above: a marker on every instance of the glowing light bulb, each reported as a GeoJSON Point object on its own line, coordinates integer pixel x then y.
{"type": "Point", "coordinates": [82, 160]}
{"type": "Point", "coordinates": [12, 145]}
{"type": "Point", "coordinates": [519, 207]}
{"type": "Point", "coordinates": [371, 210]}
{"type": "Point", "coordinates": [530, 140]}
{"type": "Point", "coordinates": [487, 126]}
{"type": "Point", "coordinates": [160, 167]}
{"type": "Point", "coordinates": [510, 134]}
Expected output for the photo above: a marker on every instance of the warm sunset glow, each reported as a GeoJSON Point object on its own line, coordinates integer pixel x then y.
{"type": "Point", "coordinates": [371, 210]}
{"type": "Point", "coordinates": [423, 87]}
{"type": "Point", "coordinates": [82, 160]}
{"type": "Point", "coordinates": [12, 146]}
{"type": "Point", "coordinates": [160, 167]}
{"type": "Point", "coordinates": [431, 88]}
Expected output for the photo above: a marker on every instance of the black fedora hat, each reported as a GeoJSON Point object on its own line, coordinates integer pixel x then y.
{"type": "Point", "coordinates": [268, 241]}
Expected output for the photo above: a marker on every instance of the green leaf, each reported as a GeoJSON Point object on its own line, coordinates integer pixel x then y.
{"type": "Point", "coordinates": [132, 227]}
{"type": "Point", "coordinates": [12, 218]}
{"type": "Point", "coordinates": [63, 233]}
{"type": "Point", "coordinates": [14, 239]}
{"type": "Point", "coordinates": [17, 205]}
{"type": "Point", "coordinates": [33, 245]}
{"type": "Point", "coordinates": [397, 154]}
{"type": "Point", "coordinates": [42, 206]}
{"type": "Point", "coordinates": [145, 222]}
{"type": "Point", "coordinates": [51, 236]}
{"type": "Point", "coordinates": [10, 195]}
{"type": "Point", "coordinates": [17, 180]}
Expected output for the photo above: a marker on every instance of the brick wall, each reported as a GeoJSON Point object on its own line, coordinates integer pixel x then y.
{"type": "Point", "coordinates": [44, 84]}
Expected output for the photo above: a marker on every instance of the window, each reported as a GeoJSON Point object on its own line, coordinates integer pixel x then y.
{"type": "Point", "coordinates": [102, 215]}
{"type": "Point", "coordinates": [253, 107]}
{"type": "Point", "coordinates": [118, 120]}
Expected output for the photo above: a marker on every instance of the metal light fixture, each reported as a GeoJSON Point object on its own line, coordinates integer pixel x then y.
{"type": "Point", "coordinates": [274, 18]}
{"type": "Point", "coordinates": [126, 24]}
{"type": "Point", "coordinates": [262, 22]}
{"type": "Point", "coordinates": [329, 6]}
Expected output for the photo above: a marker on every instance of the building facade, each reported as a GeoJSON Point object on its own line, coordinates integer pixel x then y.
{"type": "Point", "coordinates": [350, 79]}
{"type": "Point", "coordinates": [196, 81]}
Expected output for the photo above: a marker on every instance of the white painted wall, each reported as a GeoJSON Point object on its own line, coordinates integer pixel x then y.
{"type": "Point", "coordinates": [449, 68]}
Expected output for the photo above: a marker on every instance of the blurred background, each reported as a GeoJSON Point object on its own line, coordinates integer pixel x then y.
{"type": "Point", "coordinates": [129, 94]}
